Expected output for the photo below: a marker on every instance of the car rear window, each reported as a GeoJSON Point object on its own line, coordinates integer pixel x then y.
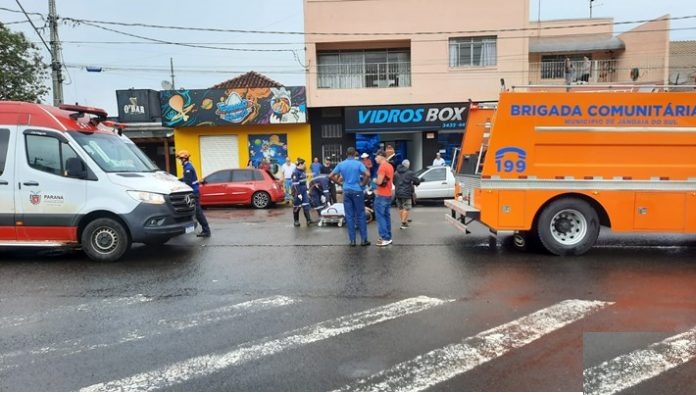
{"type": "Point", "coordinates": [242, 175]}
{"type": "Point", "coordinates": [258, 176]}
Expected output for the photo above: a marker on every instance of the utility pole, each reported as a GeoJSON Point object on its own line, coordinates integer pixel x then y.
{"type": "Point", "coordinates": [591, 1]}
{"type": "Point", "coordinates": [56, 66]}
{"type": "Point", "coordinates": [171, 67]}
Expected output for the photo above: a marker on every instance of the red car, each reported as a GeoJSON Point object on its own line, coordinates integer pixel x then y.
{"type": "Point", "coordinates": [241, 186]}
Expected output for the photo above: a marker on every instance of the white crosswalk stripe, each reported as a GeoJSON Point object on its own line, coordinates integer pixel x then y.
{"type": "Point", "coordinates": [202, 366]}
{"type": "Point", "coordinates": [629, 370]}
{"type": "Point", "coordinates": [445, 363]}
{"type": "Point", "coordinates": [90, 343]}
{"type": "Point", "coordinates": [8, 322]}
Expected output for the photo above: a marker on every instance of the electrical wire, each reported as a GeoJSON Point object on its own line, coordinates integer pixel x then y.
{"type": "Point", "coordinates": [481, 31]}
{"type": "Point", "coordinates": [34, 26]}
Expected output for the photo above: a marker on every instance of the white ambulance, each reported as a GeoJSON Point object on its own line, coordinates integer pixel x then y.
{"type": "Point", "coordinates": [68, 180]}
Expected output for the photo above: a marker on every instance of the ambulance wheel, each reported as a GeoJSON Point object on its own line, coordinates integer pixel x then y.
{"type": "Point", "coordinates": [105, 239]}
{"type": "Point", "coordinates": [260, 200]}
{"type": "Point", "coordinates": [568, 226]}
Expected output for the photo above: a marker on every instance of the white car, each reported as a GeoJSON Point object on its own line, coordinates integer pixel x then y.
{"type": "Point", "coordinates": [437, 182]}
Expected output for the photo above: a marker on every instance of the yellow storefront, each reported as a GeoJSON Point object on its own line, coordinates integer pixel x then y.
{"type": "Point", "coordinates": [227, 128]}
{"type": "Point", "coordinates": [297, 138]}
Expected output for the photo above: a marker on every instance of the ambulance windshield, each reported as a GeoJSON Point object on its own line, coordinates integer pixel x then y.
{"type": "Point", "coordinates": [112, 153]}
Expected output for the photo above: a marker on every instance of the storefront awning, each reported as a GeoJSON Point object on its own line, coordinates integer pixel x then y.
{"type": "Point", "coordinates": [148, 130]}
{"type": "Point", "coordinates": [575, 44]}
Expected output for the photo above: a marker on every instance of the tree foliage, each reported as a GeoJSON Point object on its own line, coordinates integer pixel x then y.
{"type": "Point", "coordinates": [22, 72]}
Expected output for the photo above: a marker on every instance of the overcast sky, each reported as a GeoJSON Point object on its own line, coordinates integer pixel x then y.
{"type": "Point", "coordinates": [134, 63]}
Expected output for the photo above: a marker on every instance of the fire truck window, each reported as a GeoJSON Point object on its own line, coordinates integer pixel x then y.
{"type": "Point", "coordinates": [43, 153]}
{"type": "Point", "coordinates": [4, 139]}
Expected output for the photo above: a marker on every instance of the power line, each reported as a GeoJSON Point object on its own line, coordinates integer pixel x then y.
{"type": "Point", "coordinates": [35, 29]}
{"type": "Point", "coordinates": [95, 25]}
{"type": "Point", "coordinates": [324, 42]}
{"type": "Point", "coordinates": [483, 31]}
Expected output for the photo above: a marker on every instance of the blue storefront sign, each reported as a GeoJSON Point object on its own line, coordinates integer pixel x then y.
{"type": "Point", "coordinates": [406, 117]}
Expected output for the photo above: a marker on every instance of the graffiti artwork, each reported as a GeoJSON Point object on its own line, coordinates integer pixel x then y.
{"type": "Point", "coordinates": [242, 106]}
{"type": "Point", "coordinates": [271, 146]}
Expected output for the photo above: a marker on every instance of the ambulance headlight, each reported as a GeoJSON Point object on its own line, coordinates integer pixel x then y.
{"type": "Point", "coordinates": [147, 197]}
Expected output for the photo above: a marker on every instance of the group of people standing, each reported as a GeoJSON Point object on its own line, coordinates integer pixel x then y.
{"type": "Point", "coordinates": [354, 175]}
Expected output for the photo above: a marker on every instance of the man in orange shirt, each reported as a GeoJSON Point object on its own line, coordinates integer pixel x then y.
{"type": "Point", "coordinates": [382, 204]}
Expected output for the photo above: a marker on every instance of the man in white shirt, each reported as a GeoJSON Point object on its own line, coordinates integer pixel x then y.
{"type": "Point", "coordinates": [438, 161]}
{"type": "Point", "coordinates": [288, 168]}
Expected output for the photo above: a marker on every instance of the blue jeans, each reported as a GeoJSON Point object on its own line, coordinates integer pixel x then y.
{"type": "Point", "coordinates": [383, 215]}
{"type": "Point", "coordinates": [354, 206]}
{"type": "Point", "coordinates": [288, 189]}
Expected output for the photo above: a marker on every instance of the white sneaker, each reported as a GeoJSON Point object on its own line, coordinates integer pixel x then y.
{"type": "Point", "coordinates": [383, 243]}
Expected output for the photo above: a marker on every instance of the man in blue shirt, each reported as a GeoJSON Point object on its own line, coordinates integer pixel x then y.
{"type": "Point", "coordinates": [353, 175]}
{"type": "Point", "coordinates": [190, 178]}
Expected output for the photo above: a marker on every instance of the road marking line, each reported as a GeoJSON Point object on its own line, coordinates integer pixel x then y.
{"type": "Point", "coordinates": [437, 366]}
{"type": "Point", "coordinates": [631, 369]}
{"type": "Point", "coordinates": [76, 346]}
{"type": "Point", "coordinates": [208, 364]}
{"type": "Point", "coordinates": [8, 322]}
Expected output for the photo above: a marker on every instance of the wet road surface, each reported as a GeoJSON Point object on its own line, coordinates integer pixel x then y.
{"type": "Point", "coordinates": [264, 306]}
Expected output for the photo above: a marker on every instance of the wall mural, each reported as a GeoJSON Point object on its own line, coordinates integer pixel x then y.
{"type": "Point", "coordinates": [240, 106]}
{"type": "Point", "coordinates": [271, 146]}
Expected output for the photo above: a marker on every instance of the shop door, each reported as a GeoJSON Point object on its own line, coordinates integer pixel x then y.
{"type": "Point", "coordinates": [217, 153]}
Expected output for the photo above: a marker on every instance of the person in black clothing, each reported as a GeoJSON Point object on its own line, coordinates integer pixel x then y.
{"type": "Point", "coordinates": [404, 181]}
{"type": "Point", "coordinates": [327, 168]}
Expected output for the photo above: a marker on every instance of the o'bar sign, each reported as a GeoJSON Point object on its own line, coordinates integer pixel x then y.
{"type": "Point", "coordinates": [406, 117]}
{"type": "Point", "coordinates": [138, 105]}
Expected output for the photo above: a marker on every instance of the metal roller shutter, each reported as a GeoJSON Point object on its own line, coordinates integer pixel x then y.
{"type": "Point", "coordinates": [218, 152]}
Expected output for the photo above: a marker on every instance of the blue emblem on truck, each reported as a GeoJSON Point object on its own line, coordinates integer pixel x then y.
{"type": "Point", "coordinates": [510, 159]}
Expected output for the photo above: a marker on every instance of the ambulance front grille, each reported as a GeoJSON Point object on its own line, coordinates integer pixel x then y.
{"type": "Point", "coordinates": [182, 202]}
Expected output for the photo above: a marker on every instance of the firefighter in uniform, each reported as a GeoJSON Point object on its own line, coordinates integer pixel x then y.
{"type": "Point", "coordinates": [191, 179]}
{"type": "Point", "coordinates": [300, 199]}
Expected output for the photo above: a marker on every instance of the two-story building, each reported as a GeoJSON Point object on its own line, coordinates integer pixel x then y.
{"type": "Point", "coordinates": [403, 72]}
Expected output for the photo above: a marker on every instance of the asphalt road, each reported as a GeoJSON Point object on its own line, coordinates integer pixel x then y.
{"type": "Point", "coordinates": [264, 306]}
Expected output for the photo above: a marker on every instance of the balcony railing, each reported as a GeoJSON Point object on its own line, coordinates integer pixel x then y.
{"type": "Point", "coordinates": [367, 75]}
{"type": "Point", "coordinates": [601, 71]}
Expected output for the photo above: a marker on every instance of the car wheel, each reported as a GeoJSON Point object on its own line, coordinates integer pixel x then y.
{"type": "Point", "coordinates": [260, 199]}
{"type": "Point", "coordinates": [568, 226]}
{"type": "Point", "coordinates": [105, 240]}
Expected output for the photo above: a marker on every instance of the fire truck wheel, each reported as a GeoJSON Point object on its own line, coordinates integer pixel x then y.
{"type": "Point", "coordinates": [105, 239]}
{"type": "Point", "coordinates": [568, 226]}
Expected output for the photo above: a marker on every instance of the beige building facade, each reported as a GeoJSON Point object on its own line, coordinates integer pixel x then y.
{"type": "Point", "coordinates": [367, 56]}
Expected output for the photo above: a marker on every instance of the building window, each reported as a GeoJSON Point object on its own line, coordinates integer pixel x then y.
{"type": "Point", "coordinates": [332, 152]}
{"type": "Point", "coordinates": [384, 68]}
{"type": "Point", "coordinates": [332, 131]}
{"type": "Point", "coordinates": [472, 51]}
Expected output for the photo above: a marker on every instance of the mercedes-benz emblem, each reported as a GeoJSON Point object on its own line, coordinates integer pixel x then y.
{"type": "Point", "coordinates": [190, 201]}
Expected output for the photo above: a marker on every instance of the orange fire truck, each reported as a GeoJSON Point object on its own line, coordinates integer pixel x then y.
{"type": "Point", "coordinates": [555, 166]}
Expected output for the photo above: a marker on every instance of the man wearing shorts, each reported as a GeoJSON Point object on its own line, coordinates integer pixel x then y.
{"type": "Point", "coordinates": [404, 180]}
